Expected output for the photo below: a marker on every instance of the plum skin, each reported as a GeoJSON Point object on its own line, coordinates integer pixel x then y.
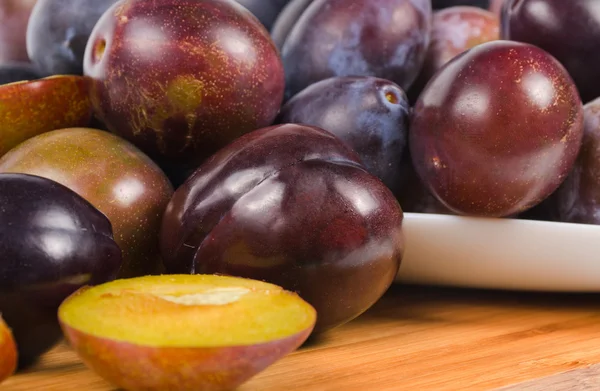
{"type": "Point", "coordinates": [265, 10]}
{"type": "Point", "coordinates": [497, 130]}
{"type": "Point", "coordinates": [368, 113]}
{"type": "Point", "coordinates": [192, 93]}
{"type": "Point", "coordinates": [290, 205]}
{"type": "Point", "coordinates": [53, 242]}
{"type": "Point", "coordinates": [568, 30]}
{"type": "Point", "coordinates": [333, 38]}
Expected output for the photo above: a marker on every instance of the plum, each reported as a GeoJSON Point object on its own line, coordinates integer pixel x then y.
{"type": "Point", "coordinates": [210, 74]}
{"type": "Point", "coordinates": [497, 129]}
{"type": "Point", "coordinates": [265, 10]}
{"type": "Point", "coordinates": [496, 7]}
{"type": "Point", "coordinates": [18, 71]}
{"type": "Point", "coordinates": [14, 15]}
{"type": "Point", "coordinates": [52, 242]}
{"type": "Point", "coordinates": [369, 114]}
{"type": "Point", "coordinates": [286, 20]}
{"type": "Point", "coordinates": [453, 31]}
{"type": "Point", "coordinates": [8, 351]}
{"type": "Point", "coordinates": [114, 176]}
{"type": "Point", "coordinates": [568, 30]}
{"type": "Point", "coordinates": [227, 329]}
{"type": "Point", "coordinates": [381, 38]}
{"type": "Point", "coordinates": [578, 198]}
{"type": "Point", "coordinates": [291, 205]}
{"type": "Point", "coordinates": [30, 108]}
{"type": "Point", "coordinates": [439, 4]}
{"type": "Point", "coordinates": [58, 31]}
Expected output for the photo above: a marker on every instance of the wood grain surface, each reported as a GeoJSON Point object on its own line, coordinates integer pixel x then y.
{"type": "Point", "coordinates": [417, 338]}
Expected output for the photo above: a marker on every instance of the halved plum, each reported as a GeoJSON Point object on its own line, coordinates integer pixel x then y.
{"type": "Point", "coordinates": [184, 332]}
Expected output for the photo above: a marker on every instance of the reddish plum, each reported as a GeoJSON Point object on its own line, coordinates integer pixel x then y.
{"type": "Point", "coordinates": [497, 130]}
{"type": "Point", "coordinates": [381, 38]}
{"type": "Point", "coordinates": [291, 205]}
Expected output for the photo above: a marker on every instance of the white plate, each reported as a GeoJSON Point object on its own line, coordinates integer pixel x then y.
{"type": "Point", "coordinates": [500, 253]}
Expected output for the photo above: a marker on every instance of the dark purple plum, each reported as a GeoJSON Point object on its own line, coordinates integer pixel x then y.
{"type": "Point", "coordinates": [52, 242]}
{"type": "Point", "coordinates": [292, 205]}
{"type": "Point", "coordinates": [439, 4]}
{"type": "Point", "coordinates": [568, 30]}
{"type": "Point", "coordinates": [380, 38]}
{"type": "Point", "coordinates": [497, 129]}
{"type": "Point", "coordinates": [286, 20]}
{"type": "Point", "coordinates": [265, 10]}
{"type": "Point", "coordinates": [367, 113]}
{"type": "Point", "coordinates": [58, 31]}
{"type": "Point", "coordinates": [578, 198]}
{"type": "Point", "coordinates": [14, 72]}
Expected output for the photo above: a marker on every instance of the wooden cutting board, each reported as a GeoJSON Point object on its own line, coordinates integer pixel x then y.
{"type": "Point", "coordinates": [417, 338]}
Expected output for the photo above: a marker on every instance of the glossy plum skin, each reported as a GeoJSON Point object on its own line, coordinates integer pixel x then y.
{"type": "Point", "coordinates": [52, 242]}
{"type": "Point", "coordinates": [367, 113]}
{"type": "Point", "coordinates": [453, 31]}
{"type": "Point", "coordinates": [290, 205]}
{"type": "Point", "coordinates": [497, 130]}
{"type": "Point", "coordinates": [361, 38]}
{"type": "Point", "coordinates": [30, 108]}
{"type": "Point", "coordinates": [211, 75]}
{"type": "Point", "coordinates": [58, 31]}
{"type": "Point", "coordinates": [14, 72]}
{"type": "Point", "coordinates": [265, 10]}
{"type": "Point", "coordinates": [439, 4]}
{"type": "Point", "coordinates": [112, 174]}
{"type": "Point", "coordinates": [578, 198]}
{"type": "Point", "coordinates": [14, 15]}
{"type": "Point", "coordinates": [568, 30]}
{"type": "Point", "coordinates": [286, 20]}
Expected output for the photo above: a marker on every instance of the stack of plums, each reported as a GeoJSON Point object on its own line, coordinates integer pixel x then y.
{"type": "Point", "coordinates": [251, 161]}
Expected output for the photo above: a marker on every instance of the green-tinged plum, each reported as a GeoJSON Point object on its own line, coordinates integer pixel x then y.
{"type": "Point", "coordinates": [14, 15]}
{"type": "Point", "coordinates": [367, 113]}
{"type": "Point", "coordinates": [112, 174]}
{"type": "Point", "coordinates": [182, 79]}
{"type": "Point", "coordinates": [497, 129]}
{"type": "Point", "coordinates": [381, 38]}
{"type": "Point", "coordinates": [453, 31]}
{"type": "Point", "coordinates": [30, 108]}
{"type": "Point", "coordinates": [52, 242]}
{"type": "Point", "coordinates": [58, 32]}
{"type": "Point", "coordinates": [291, 205]}
{"type": "Point", "coordinates": [568, 30]}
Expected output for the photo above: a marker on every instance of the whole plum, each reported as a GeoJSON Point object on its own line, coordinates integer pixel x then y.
{"type": "Point", "coordinates": [439, 4]}
{"type": "Point", "coordinates": [292, 205]}
{"type": "Point", "coordinates": [182, 79]}
{"type": "Point", "coordinates": [13, 72]}
{"type": "Point", "coordinates": [58, 32]}
{"type": "Point", "coordinates": [497, 130]}
{"type": "Point", "coordinates": [568, 30]}
{"type": "Point", "coordinates": [286, 20]}
{"type": "Point", "coordinates": [52, 242]}
{"type": "Point", "coordinates": [381, 38]}
{"type": "Point", "coordinates": [578, 198]}
{"type": "Point", "coordinates": [112, 174]}
{"type": "Point", "coordinates": [496, 7]}
{"type": "Point", "coordinates": [453, 31]}
{"type": "Point", "coordinates": [367, 113]}
{"type": "Point", "coordinates": [14, 15]}
{"type": "Point", "coordinates": [265, 10]}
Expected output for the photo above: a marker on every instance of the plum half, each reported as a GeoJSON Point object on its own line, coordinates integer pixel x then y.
{"type": "Point", "coordinates": [52, 242]}
{"type": "Point", "coordinates": [182, 332]}
{"type": "Point", "coordinates": [8, 352]}
{"type": "Point", "coordinates": [497, 129]}
{"type": "Point", "coordinates": [182, 79]}
{"type": "Point", "coordinates": [291, 205]}
{"type": "Point", "coordinates": [112, 174]}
